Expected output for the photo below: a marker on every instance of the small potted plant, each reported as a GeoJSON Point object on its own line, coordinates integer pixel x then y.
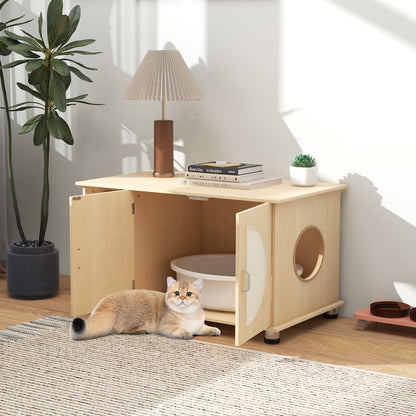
{"type": "Point", "coordinates": [303, 170]}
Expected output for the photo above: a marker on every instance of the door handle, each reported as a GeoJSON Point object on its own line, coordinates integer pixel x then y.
{"type": "Point", "coordinates": [248, 281]}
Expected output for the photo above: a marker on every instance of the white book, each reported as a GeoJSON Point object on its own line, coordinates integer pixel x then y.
{"type": "Point", "coordinates": [259, 183]}
{"type": "Point", "coordinates": [225, 178]}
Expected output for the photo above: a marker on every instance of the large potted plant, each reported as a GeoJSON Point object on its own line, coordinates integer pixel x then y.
{"type": "Point", "coordinates": [33, 265]}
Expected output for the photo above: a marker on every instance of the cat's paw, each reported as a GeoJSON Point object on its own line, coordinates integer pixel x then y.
{"type": "Point", "coordinates": [182, 334]}
{"type": "Point", "coordinates": [214, 332]}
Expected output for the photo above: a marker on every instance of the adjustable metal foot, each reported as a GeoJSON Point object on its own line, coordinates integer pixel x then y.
{"type": "Point", "coordinates": [271, 337]}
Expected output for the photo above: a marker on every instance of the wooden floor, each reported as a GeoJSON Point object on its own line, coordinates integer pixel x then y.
{"type": "Point", "coordinates": [381, 347]}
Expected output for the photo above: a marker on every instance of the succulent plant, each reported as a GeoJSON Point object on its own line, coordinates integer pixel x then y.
{"type": "Point", "coordinates": [304, 161]}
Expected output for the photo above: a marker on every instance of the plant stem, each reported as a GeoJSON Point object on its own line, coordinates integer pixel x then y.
{"type": "Point", "coordinates": [44, 211]}
{"type": "Point", "coordinates": [9, 159]}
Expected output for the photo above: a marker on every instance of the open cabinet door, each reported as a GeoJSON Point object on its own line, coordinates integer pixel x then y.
{"type": "Point", "coordinates": [253, 272]}
{"type": "Point", "coordinates": [102, 247]}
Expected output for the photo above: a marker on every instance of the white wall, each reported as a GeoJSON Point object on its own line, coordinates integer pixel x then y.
{"type": "Point", "coordinates": [334, 78]}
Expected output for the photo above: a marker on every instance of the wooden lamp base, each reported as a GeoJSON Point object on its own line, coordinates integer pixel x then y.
{"type": "Point", "coordinates": [163, 148]}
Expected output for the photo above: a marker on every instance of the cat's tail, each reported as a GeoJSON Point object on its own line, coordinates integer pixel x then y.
{"type": "Point", "coordinates": [97, 325]}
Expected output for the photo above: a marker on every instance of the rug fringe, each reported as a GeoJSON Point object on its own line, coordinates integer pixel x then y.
{"type": "Point", "coordinates": [32, 328]}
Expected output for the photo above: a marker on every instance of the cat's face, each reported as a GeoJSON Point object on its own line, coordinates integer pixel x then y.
{"type": "Point", "coordinates": [183, 297]}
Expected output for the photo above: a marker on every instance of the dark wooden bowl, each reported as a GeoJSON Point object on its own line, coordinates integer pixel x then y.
{"type": "Point", "coordinates": [389, 309]}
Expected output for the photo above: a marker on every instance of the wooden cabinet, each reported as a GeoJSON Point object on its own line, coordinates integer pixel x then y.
{"type": "Point", "coordinates": [126, 229]}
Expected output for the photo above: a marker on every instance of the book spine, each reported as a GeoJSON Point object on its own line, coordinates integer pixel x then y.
{"type": "Point", "coordinates": [210, 169]}
{"type": "Point", "coordinates": [223, 171]}
{"type": "Point", "coordinates": [217, 184]}
{"type": "Point", "coordinates": [224, 178]}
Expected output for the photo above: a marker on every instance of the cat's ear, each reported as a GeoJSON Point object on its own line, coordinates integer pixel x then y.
{"type": "Point", "coordinates": [197, 284]}
{"type": "Point", "coordinates": [171, 281]}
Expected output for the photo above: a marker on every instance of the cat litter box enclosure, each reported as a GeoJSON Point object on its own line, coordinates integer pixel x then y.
{"type": "Point", "coordinates": [138, 228]}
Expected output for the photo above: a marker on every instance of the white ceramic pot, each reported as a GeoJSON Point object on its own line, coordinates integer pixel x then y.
{"type": "Point", "coordinates": [303, 176]}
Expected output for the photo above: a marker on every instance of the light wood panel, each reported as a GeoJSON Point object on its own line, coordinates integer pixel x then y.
{"type": "Point", "coordinates": [101, 244]}
{"type": "Point", "coordinates": [145, 182]}
{"type": "Point", "coordinates": [381, 347]}
{"type": "Point", "coordinates": [253, 272]}
{"type": "Point", "coordinates": [295, 297]}
{"type": "Point", "coordinates": [218, 218]}
{"type": "Point", "coordinates": [166, 227]}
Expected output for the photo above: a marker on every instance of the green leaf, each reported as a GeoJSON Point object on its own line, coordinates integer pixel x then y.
{"type": "Point", "coordinates": [57, 91]}
{"type": "Point", "coordinates": [38, 75]}
{"type": "Point", "coordinates": [16, 63]}
{"type": "Point", "coordinates": [74, 18]}
{"type": "Point", "coordinates": [60, 67]}
{"type": "Point", "coordinates": [81, 65]}
{"type": "Point", "coordinates": [3, 3]}
{"type": "Point", "coordinates": [24, 103]}
{"type": "Point", "coordinates": [40, 24]}
{"type": "Point", "coordinates": [4, 50]}
{"type": "Point", "coordinates": [67, 81]}
{"type": "Point", "coordinates": [5, 42]}
{"type": "Point", "coordinates": [83, 102]}
{"type": "Point", "coordinates": [33, 64]}
{"type": "Point", "coordinates": [80, 52]}
{"type": "Point", "coordinates": [78, 97]}
{"type": "Point", "coordinates": [30, 91]}
{"type": "Point", "coordinates": [54, 125]}
{"type": "Point", "coordinates": [41, 132]}
{"type": "Point", "coordinates": [68, 139]}
{"type": "Point", "coordinates": [53, 15]}
{"type": "Point", "coordinates": [39, 41]}
{"type": "Point", "coordinates": [31, 124]}
{"type": "Point", "coordinates": [27, 40]}
{"type": "Point", "coordinates": [61, 31]}
{"type": "Point", "coordinates": [77, 44]}
{"type": "Point", "coordinates": [24, 50]}
{"type": "Point", "coordinates": [79, 74]}
{"type": "Point", "coordinates": [28, 107]}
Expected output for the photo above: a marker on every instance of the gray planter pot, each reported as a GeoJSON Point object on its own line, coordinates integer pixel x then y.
{"type": "Point", "coordinates": [32, 272]}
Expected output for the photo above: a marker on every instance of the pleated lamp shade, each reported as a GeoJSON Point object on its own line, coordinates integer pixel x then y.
{"type": "Point", "coordinates": [163, 76]}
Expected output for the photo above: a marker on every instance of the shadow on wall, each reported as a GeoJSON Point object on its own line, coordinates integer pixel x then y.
{"type": "Point", "coordinates": [378, 247]}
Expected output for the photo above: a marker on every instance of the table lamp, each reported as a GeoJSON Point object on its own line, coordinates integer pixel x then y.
{"type": "Point", "coordinates": [163, 76]}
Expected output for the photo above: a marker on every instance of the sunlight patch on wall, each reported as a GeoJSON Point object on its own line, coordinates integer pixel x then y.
{"type": "Point", "coordinates": [129, 163]}
{"type": "Point", "coordinates": [127, 136]}
{"type": "Point", "coordinates": [346, 92]}
{"type": "Point", "coordinates": [123, 34]}
{"type": "Point", "coordinates": [132, 32]}
{"type": "Point", "coordinates": [179, 157]}
{"type": "Point", "coordinates": [181, 24]}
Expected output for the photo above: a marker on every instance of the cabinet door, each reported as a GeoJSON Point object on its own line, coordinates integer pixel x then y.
{"type": "Point", "coordinates": [253, 272]}
{"type": "Point", "coordinates": [102, 243]}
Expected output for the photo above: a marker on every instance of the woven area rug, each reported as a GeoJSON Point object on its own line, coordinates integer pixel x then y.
{"type": "Point", "coordinates": [43, 372]}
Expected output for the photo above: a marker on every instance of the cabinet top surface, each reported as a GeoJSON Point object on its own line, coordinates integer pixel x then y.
{"type": "Point", "coordinates": [145, 182]}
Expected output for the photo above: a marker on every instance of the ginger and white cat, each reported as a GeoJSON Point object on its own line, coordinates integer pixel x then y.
{"type": "Point", "coordinates": [177, 313]}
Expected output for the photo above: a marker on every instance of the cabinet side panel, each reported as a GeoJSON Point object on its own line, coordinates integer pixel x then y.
{"type": "Point", "coordinates": [101, 234]}
{"type": "Point", "coordinates": [295, 296]}
{"type": "Point", "coordinates": [166, 227]}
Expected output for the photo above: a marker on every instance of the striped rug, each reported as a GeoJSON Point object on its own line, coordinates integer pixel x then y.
{"type": "Point", "coordinates": [43, 372]}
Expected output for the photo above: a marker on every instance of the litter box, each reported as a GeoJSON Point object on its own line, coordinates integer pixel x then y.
{"type": "Point", "coordinates": [217, 272]}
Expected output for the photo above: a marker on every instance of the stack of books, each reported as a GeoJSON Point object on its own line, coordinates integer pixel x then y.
{"type": "Point", "coordinates": [229, 175]}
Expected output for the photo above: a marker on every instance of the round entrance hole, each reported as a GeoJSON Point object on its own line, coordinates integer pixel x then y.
{"type": "Point", "coordinates": [309, 252]}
